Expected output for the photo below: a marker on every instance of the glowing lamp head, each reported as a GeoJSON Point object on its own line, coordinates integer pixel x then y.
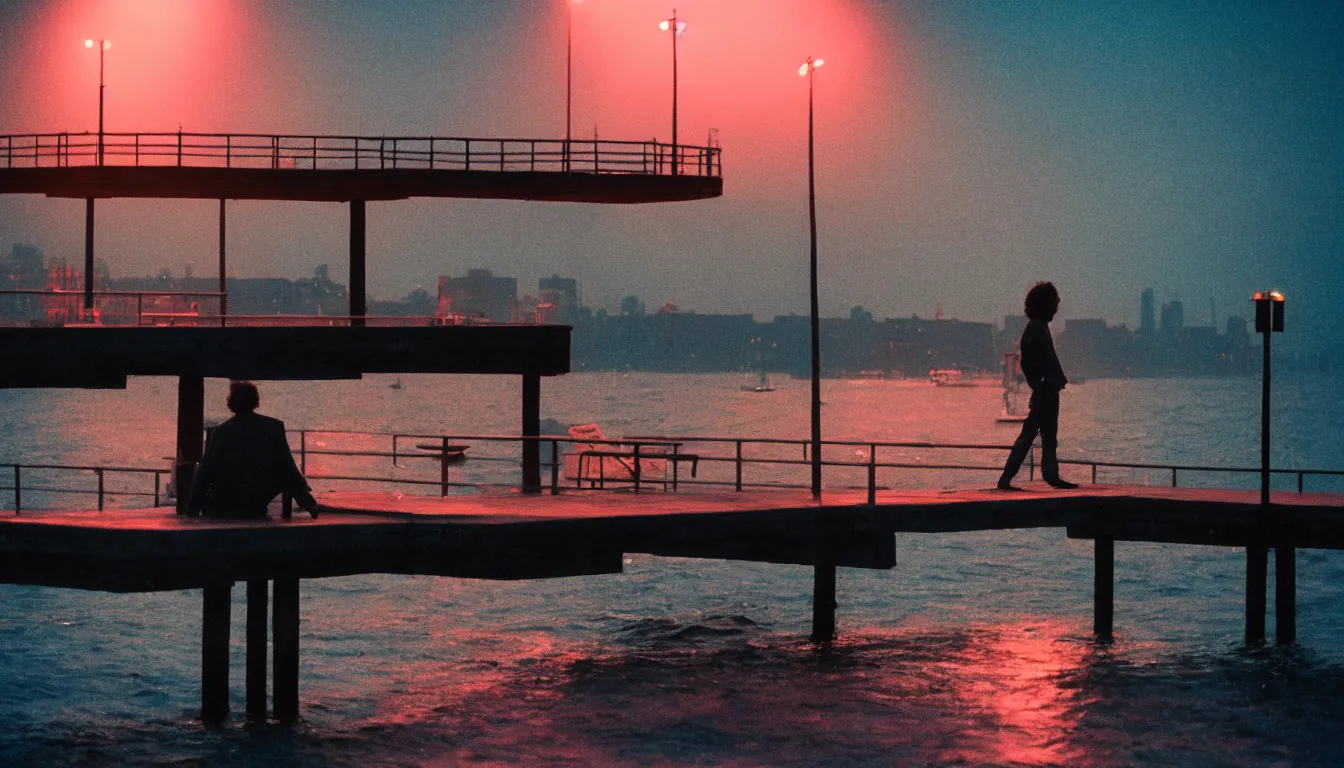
{"type": "Point", "coordinates": [666, 24]}
{"type": "Point", "coordinates": [810, 65]}
{"type": "Point", "coordinates": [88, 43]}
{"type": "Point", "coordinates": [1268, 311]}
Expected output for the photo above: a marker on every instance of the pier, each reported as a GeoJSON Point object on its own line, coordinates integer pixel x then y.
{"type": "Point", "coordinates": [585, 533]}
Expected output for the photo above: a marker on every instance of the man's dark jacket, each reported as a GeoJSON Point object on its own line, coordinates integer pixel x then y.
{"type": "Point", "coordinates": [247, 463]}
{"type": "Point", "coordinates": [1040, 365]}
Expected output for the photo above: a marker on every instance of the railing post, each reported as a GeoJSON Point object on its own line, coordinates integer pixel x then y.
{"type": "Point", "coordinates": [228, 151]}
{"type": "Point", "coordinates": [739, 465]}
{"type": "Point", "coordinates": [872, 474]}
{"type": "Point", "coordinates": [394, 153]}
{"type": "Point", "coordinates": [1094, 473]}
{"type": "Point", "coordinates": [431, 153]}
{"type": "Point", "coordinates": [356, 153]}
{"type": "Point", "coordinates": [394, 450]}
{"type": "Point", "coordinates": [137, 151]}
{"type": "Point", "coordinates": [1299, 482]}
{"type": "Point", "coordinates": [275, 165]}
{"type": "Point", "coordinates": [157, 477]}
{"type": "Point", "coordinates": [466, 154]}
{"type": "Point", "coordinates": [314, 153]}
{"type": "Point", "coordinates": [555, 467]}
{"type": "Point", "coordinates": [501, 155]}
{"type": "Point", "coordinates": [1173, 477]}
{"type": "Point", "coordinates": [18, 491]}
{"type": "Point", "coordinates": [303, 451]}
{"type": "Point", "coordinates": [179, 147]}
{"type": "Point", "coordinates": [382, 162]}
{"type": "Point", "coordinates": [100, 489]}
{"type": "Point", "coordinates": [637, 472]}
{"type": "Point", "coordinates": [596, 165]}
{"type": "Point", "coordinates": [443, 468]}
{"type": "Point", "coordinates": [532, 156]}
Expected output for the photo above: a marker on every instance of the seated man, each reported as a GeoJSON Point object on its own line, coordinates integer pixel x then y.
{"type": "Point", "coordinates": [247, 463]}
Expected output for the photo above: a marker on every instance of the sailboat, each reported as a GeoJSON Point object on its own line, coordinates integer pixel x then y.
{"type": "Point", "coordinates": [1013, 410]}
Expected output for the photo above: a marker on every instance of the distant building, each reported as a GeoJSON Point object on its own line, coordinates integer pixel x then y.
{"type": "Point", "coordinates": [1173, 319]}
{"type": "Point", "coordinates": [558, 299]}
{"type": "Point", "coordinates": [1147, 313]}
{"type": "Point", "coordinates": [479, 294]}
{"type": "Point", "coordinates": [1013, 325]}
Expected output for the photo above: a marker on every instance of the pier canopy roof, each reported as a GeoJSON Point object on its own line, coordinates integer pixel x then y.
{"type": "Point", "coordinates": [343, 168]}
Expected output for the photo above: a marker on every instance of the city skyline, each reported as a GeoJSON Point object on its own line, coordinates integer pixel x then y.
{"type": "Point", "coordinates": [964, 150]}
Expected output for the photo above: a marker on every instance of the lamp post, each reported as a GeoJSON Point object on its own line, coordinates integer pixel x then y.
{"type": "Point", "coordinates": [1269, 320]}
{"type": "Point", "coordinates": [676, 28]}
{"type": "Point", "coordinates": [103, 45]}
{"type": "Point", "coordinates": [569, 77]}
{"type": "Point", "coordinates": [806, 70]}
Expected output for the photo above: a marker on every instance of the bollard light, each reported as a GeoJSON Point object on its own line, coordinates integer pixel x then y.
{"type": "Point", "coordinates": [1268, 311]}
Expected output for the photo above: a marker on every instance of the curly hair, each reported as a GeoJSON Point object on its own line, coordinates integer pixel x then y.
{"type": "Point", "coordinates": [243, 397]}
{"type": "Point", "coordinates": [1042, 301]}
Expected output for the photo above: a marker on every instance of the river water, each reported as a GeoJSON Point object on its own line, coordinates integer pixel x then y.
{"type": "Point", "coordinates": [974, 650]}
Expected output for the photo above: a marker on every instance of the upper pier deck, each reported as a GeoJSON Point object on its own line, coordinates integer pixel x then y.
{"type": "Point", "coordinates": [346, 168]}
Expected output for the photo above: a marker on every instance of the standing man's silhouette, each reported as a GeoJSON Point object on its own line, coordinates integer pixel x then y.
{"type": "Point", "coordinates": [1046, 378]}
{"type": "Point", "coordinates": [247, 463]}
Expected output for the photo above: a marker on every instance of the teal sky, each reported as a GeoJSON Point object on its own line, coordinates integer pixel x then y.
{"type": "Point", "coordinates": [965, 149]}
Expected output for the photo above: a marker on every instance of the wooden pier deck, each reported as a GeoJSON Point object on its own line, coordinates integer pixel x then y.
{"type": "Point", "coordinates": [526, 536]}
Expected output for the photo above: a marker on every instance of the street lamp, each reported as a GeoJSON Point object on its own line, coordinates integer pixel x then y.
{"type": "Point", "coordinates": [806, 70]}
{"type": "Point", "coordinates": [1269, 320]}
{"type": "Point", "coordinates": [676, 27]}
{"type": "Point", "coordinates": [103, 45]}
{"type": "Point", "coordinates": [569, 76]}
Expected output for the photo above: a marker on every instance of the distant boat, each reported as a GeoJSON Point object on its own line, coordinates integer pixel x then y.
{"type": "Point", "coordinates": [764, 386]}
{"type": "Point", "coordinates": [396, 384]}
{"type": "Point", "coordinates": [1012, 390]}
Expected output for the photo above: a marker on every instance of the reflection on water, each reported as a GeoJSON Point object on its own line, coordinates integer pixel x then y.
{"type": "Point", "coordinates": [975, 650]}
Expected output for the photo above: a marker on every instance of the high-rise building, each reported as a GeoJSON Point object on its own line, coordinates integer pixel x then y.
{"type": "Point", "coordinates": [480, 293]}
{"type": "Point", "coordinates": [1173, 318]}
{"type": "Point", "coordinates": [562, 294]}
{"type": "Point", "coordinates": [1147, 313]}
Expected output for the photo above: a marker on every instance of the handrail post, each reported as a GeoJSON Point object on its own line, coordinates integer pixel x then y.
{"type": "Point", "coordinates": [157, 478]}
{"type": "Point", "coordinates": [137, 152]}
{"type": "Point", "coordinates": [636, 467]}
{"type": "Point", "coordinates": [314, 153]}
{"type": "Point", "coordinates": [100, 489]}
{"type": "Point", "coordinates": [1094, 473]}
{"type": "Point", "coordinates": [228, 151]}
{"type": "Point", "coordinates": [443, 468]}
{"type": "Point", "coordinates": [739, 465]}
{"type": "Point", "coordinates": [431, 153]}
{"type": "Point", "coordinates": [466, 154]}
{"type": "Point", "coordinates": [555, 467]}
{"type": "Point", "coordinates": [1173, 477]}
{"type": "Point", "coordinates": [382, 162]}
{"type": "Point", "coordinates": [18, 492]}
{"type": "Point", "coordinates": [501, 155]}
{"type": "Point", "coordinates": [1299, 482]}
{"type": "Point", "coordinates": [179, 147]}
{"type": "Point", "coordinates": [872, 474]}
{"type": "Point", "coordinates": [303, 451]}
{"type": "Point", "coordinates": [394, 450]}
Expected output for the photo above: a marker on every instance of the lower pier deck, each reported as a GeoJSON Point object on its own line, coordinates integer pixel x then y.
{"type": "Point", "coordinates": [517, 536]}
{"type": "Point", "coordinates": [533, 536]}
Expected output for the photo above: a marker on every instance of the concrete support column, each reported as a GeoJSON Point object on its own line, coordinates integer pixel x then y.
{"type": "Point", "coordinates": [357, 285]}
{"type": "Point", "coordinates": [1257, 556]}
{"type": "Point", "coordinates": [215, 653]}
{"type": "Point", "coordinates": [256, 649]}
{"type": "Point", "coordinates": [88, 255]}
{"type": "Point", "coordinates": [823, 601]}
{"type": "Point", "coordinates": [190, 434]}
{"type": "Point", "coordinates": [1285, 595]}
{"type": "Point", "coordinates": [1103, 588]}
{"type": "Point", "coordinates": [531, 428]}
{"type": "Point", "coordinates": [285, 634]}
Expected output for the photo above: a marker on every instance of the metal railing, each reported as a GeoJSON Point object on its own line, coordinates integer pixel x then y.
{"type": "Point", "coordinates": [640, 448]}
{"type": "Point", "coordinates": [56, 299]}
{"type": "Point", "coordinates": [102, 492]}
{"type": "Point", "coordinates": [311, 152]}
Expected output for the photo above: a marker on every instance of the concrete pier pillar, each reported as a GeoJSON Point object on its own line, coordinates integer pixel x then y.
{"type": "Point", "coordinates": [1103, 588]}
{"type": "Point", "coordinates": [531, 428]}
{"type": "Point", "coordinates": [190, 434]}
{"type": "Point", "coordinates": [215, 652]}
{"type": "Point", "coordinates": [823, 602]}
{"type": "Point", "coordinates": [1285, 595]}
{"type": "Point", "coordinates": [88, 256]}
{"type": "Point", "coordinates": [257, 595]}
{"type": "Point", "coordinates": [1257, 556]}
{"type": "Point", "coordinates": [357, 267]}
{"type": "Point", "coordinates": [285, 634]}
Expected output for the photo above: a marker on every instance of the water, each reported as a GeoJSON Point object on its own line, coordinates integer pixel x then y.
{"type": "Point", "coordinates": [975, 650]}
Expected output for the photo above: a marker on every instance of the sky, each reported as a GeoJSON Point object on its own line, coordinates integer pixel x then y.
{"type": "Point", "coordinates": [964, 149]}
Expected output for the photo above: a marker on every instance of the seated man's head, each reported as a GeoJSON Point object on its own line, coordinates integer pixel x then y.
{"type": "Point", "coordinates": [1042, 301]}
{"type": "Point", "coordinates": [243, 397]}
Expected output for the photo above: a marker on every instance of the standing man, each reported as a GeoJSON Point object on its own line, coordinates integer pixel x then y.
{"type": "Point", "coordinates": [247, 463]}
{"type": "Point", "coordinates": [1046, 378]}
